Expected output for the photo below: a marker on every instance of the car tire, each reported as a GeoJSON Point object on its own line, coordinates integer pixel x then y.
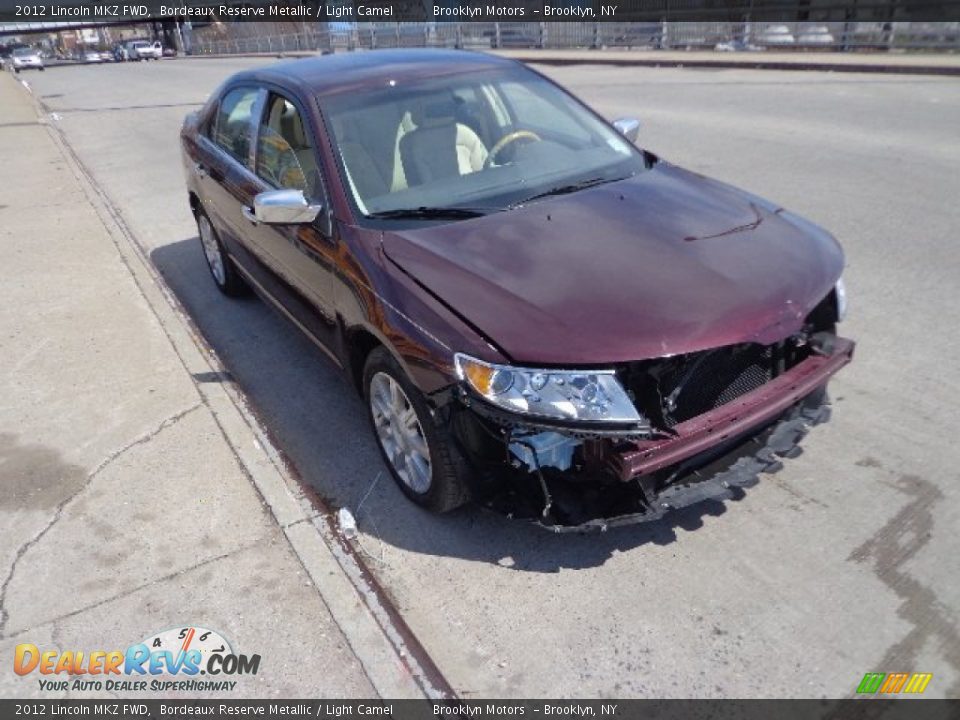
{"type": "Point", "coordinates": [221, 267]}
{"type": "Point", "coordinates": [444, 484]}
{"type": "Point", "coordinates": [43, 69]}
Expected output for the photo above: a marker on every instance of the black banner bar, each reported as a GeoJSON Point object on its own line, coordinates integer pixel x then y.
{"type": "Point", "coordinates": [859, 709]}
{"type": "Point", "coordinates": [367, 11]}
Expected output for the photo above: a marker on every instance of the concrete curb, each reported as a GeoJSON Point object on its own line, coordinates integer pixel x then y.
{"type": "Point", "coordinates": [895, 65]}
{"type": "Point", "coordinates": [392, 658]}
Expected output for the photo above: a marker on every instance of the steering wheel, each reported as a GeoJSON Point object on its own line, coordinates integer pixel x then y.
{"type": "Point", "coordinates": [507, 140]}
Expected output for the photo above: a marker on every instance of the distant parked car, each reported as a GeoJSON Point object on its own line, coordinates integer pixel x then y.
{"type": "Point", "coordinates": [144, 50]}
{"type": "Point", "coordinates": [776, 35]}
{"type": "Point", "coordinates": [734, 46]}
{"type": "Point", "coordinates": [26, 58]}
{"type": "Point", "coordinates": [815, 35]}
{"type": "Point", "coordinates": [169, 52]}
{"type": "Point", "coordinates": [93, 56]}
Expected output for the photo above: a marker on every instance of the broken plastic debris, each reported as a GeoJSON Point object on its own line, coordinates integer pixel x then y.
{"type": "Point", "coordinates": [348, 524]}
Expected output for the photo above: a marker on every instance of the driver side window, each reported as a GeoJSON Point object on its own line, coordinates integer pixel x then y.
{"type": "Point", "coordinates": [285, 156]}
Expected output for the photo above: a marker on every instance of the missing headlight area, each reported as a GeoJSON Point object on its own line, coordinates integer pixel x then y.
{"type": "Point", "coordinates": [588, 495]}
{"type": "Point", "coordinates": [712, 420]}
{"type": "Point", "coordinates": [673, 390]}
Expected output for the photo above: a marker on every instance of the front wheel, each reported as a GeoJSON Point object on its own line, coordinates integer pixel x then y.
{"type": "Point", "coordinates": [420, 454]}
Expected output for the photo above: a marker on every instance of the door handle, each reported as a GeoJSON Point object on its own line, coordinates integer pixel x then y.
{"type": "Point", "coordinates": [201, 169]}
{"type": "Point", "coordinates": [248, 214]}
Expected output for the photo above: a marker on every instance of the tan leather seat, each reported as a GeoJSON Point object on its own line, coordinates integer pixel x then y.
{"type": "Point", "coordinates": [432, 145]}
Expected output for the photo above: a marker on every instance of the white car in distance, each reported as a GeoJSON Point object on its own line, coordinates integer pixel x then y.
{"type": "Point", "coordinates": [144, 50]}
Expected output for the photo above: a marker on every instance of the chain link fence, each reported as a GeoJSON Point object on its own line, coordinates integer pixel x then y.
{"type": "Point", "coordinates": [241, 38]}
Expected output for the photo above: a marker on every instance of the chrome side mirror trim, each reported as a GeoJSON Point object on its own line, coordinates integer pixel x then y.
{"type": "Point", "coordinates": [628, 127]}
{"type": "Point", "coordinates": [284, 207]}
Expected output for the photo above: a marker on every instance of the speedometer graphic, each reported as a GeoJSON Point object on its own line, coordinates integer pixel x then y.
{"type": "Point", "coordinates": [180, 640]}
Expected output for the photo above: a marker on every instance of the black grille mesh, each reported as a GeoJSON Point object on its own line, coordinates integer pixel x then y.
{"type": "Point", "coordinates": [703, 381]}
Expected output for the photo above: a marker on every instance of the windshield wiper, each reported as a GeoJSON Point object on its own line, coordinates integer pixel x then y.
{"type": "Point", "coordinates": [567, 189]}
{"type": "Point", "coordinates": [429, 213]}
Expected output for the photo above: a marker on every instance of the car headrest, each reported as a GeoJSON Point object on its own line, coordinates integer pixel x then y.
{"type": "Point", "coordinates": [291, 127]}
{"type": "Point", "coordinates": [433, 110]}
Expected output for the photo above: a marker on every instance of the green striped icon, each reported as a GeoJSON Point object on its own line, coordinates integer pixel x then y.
{"type": "Point", "coordinates": [890, 683]}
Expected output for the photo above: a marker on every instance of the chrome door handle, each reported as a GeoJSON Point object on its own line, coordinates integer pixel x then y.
{"type": "Point", "coordinates": [201, 169]}
{"type": "Point", "coordinates": [249, 214]}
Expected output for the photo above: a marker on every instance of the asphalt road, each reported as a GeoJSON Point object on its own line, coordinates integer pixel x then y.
{"type": "Point", "coordinates": [844, 562]}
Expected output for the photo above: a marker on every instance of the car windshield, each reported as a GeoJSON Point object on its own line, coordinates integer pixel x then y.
{"type": "Point", "coordinates": [478, 141]}
{"type": "Point", "coordinates": [24, 52]}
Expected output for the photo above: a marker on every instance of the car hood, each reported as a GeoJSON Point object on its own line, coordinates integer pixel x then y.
{"type": "Point", "coordinates": [663, 263]}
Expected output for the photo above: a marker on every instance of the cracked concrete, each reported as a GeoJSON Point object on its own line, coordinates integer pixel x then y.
{"type": "Point", "coordinates": [125, 509]}
{"type": "Point", "coordinates": [890, 551]}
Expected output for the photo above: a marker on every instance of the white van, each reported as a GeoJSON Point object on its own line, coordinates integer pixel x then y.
{"type": "Point", "coordinates": [144, 50]}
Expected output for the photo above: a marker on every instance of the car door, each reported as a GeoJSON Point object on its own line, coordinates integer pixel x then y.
{"type": "Point", "coordinates": [223, 167]}
{"type": "Point", "coordinates": [303, 255]}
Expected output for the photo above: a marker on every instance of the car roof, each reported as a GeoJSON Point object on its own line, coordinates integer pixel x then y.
{"type": "Point", "coordinates": [343, 71]}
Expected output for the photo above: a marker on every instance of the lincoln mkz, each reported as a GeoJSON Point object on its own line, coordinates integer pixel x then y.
{"type": "Point", "coordinates": [520, 293]}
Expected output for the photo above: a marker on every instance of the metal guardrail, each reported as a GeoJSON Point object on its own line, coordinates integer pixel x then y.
{"type": "Point", "coordinates": [828, 36]}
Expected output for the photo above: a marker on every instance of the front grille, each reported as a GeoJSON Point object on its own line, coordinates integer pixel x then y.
{"type": "Point", "coordinates": [674, 390]}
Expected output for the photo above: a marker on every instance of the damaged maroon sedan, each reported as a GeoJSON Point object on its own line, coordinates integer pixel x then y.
{"type": "Point", "coordinates": [532, 307]}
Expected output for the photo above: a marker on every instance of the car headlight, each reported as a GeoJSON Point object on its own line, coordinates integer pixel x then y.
{"type": "Point", "coordinates": [841, 300]}
{"type": "Point", "coordinates": [582, 395]}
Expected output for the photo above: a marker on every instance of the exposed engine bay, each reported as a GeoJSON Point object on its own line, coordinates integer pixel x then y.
{"type": "Point", "coordinates": [700, 407]}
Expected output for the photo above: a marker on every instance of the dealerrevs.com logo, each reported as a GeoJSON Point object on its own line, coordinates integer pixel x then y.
{"type": "Point", "coordinates": [159, 659]}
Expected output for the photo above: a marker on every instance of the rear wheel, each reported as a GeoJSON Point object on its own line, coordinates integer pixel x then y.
{"type": "Point", "coordinates": [419, 453]}
{"type": "Point", "coordinates": [224, 274]}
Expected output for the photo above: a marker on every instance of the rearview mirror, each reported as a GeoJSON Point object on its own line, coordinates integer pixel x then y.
{"type": "Point", "coordinates": [284, 207]}
{"type": "Point", "coordinates": [628, 127]}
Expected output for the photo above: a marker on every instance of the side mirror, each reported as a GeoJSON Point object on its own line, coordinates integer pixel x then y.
{"type": "Point", "coordinates": [628, 127]}
{"type": "Point", "coordinates": [284, 207]}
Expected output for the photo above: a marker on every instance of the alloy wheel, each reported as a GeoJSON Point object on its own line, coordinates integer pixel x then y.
{"type": "Point", "coordinates": [400, 433]}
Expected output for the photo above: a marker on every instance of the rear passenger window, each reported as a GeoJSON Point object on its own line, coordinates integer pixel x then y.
{"type": "Point", "coordinates": [233, 127]}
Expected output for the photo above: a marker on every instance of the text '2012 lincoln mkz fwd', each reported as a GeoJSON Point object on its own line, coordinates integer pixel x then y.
{"type": "Point", "coordinates": [525, 299]}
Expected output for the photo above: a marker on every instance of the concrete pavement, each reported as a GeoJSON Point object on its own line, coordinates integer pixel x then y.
{"type": "Point", "coordinates": [136, 494]}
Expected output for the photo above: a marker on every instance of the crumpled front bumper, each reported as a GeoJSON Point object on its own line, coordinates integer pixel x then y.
{"type": "Point", "coordinates": [751, 410]}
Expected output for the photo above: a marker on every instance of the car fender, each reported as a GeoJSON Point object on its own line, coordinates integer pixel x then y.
{"type": "Point", "coordinates": [374, 296]}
